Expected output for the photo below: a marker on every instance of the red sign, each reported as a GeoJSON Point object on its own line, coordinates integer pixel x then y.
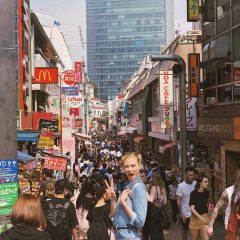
{"type": "Point", "coordinates": [78, 71]}
{"type": "Point", "coordinates": [45, 76]}
{"type": "Point", "coordinates": [74, 111]}
{"type": "Point", "coordinates": [55, 163]}
{"type": "Point", "coordinates": [194, 73]}
{"type": "Point", "coordinates": [69, 77]}
{"type": "Point", "coordinates": [41, 115]}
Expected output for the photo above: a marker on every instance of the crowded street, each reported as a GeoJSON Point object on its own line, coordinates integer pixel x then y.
{"type": "Point", "coordinates": [120, 120]}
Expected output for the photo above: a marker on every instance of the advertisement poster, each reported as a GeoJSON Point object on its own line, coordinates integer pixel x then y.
{"type": "Point", "coordinates": [8, 171]}
{"type": "Point", "coordinates": [191, 113]}
{"type": "Point", "coordinates": [166, 116]}
{"type": "Point", "coordinates": [55, 163]}
{"type": "Point", "coordinates": [8, 194]}
{"type": "Point", "coordinates": [45, 142]}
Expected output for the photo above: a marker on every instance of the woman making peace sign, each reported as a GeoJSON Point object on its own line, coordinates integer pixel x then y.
{"type": "Point", "coordinates": [129, 213]}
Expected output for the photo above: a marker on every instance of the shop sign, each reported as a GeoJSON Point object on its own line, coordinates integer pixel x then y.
{"type": "Point", "coordinates": [69, 77]}
{"type": "Point", "coordinates": [236, 89]}
{"type": "Point", "coordinates": [48, 125]}
{"type": "Point", "coordinates": [74, 112]}
{"type": "Point", "coordinates": [215, 128]}
{"type": "Point", "coordinates": [70, 91]}
{"type": "Point", "coordinates": [45, 75]}
{"type": "Point", "coordinates": [191, 114]}
{"type": "Point", "coordinates": [166, 88]}
{"type": "Point", "coordinates": [209, 15]}
{"type": "Point", "coordinates": [8, 171]}
{"type": "Point", "coordinates": [166, 116]}
{"type": "Point", "coordinates": [193, 73]}
{"type": "Point", "coordinates": [45, 142]}
{"type": "Point", "coordinates": [78, 71]}
{"type": "Point", "coordinates": [8, 194]}
{"type": "Point", "coordinates": [76, 101]}
{"type": "Point", "coordinates": [55, 163]}
{"type": "Point", "coordinates": [5, 211]}
{"type": "Point", "coordinates": [192, 10]}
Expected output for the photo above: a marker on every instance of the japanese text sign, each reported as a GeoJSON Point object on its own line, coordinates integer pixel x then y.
{"type": "Point", "coordinates": [45, 75]}
{"type": "Point", "coordinates": [8, 171]}
{"type": "Point", "coordinates": [8, 194]}
{"type": "Point", "coordinates": [193, 73]}
{"type": "Point", "coordinates": [70, 90]}
{"type": "Point", "coordinates": [191, 113]}
{"type": "Point", "coordinates": [166, 116]}
{"type": "Point", "coordinates": [192, 10]}
{"type": "Point", "coordinates": [78, 71]}
{"type": "Point", "coordinates": [166, 88]}
{"type": "Point", "coordinates": [55, 163]}
{"type": "Point", "coordinates": [45, 142]}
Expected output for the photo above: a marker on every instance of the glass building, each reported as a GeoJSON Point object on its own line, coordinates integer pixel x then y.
{"type": "Point", "coordinates": [120, 34]}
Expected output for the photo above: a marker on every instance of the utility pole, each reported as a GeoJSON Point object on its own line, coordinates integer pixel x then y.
{"type": "Point", "coordinates": [182, 94]}
{"type": "Point", "coordinates": [8, 94]}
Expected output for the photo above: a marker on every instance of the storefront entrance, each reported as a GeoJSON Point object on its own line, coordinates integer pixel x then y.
{"type": "Point", "coordinates": [232, 164]}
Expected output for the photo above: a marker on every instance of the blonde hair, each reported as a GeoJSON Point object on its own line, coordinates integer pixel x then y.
{"type": "Point", "coordinates": [134, 155]}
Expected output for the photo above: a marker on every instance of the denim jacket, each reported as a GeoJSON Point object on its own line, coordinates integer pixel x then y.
{"type": "Point", "coordinates": [137, 201]}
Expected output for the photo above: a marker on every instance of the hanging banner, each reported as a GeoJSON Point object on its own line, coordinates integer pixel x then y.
{"type": "Point", "coordinates": [191, 114]}
{"type": "Point", "coordinates": [45, 75]}
{"type": "Point", "coordinates": [8, 171]}
{"type": "Point", "coordinates": [166, 87]}
{"type": "Point", "coordinates": [45, 142]}
{"type": "Point", "coordinates": [192, 10]}
{"type": "Point", "coordinates": [166, 117]}
{"type": "Point", "coordinates": [193, 73]}
{"type": "Point", "coordinates": [55, 163]}
{"type": "Point", "coordinates": [78, 71]}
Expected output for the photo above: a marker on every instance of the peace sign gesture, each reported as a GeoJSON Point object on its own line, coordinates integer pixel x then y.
{"type": "Point", "coordinates": [110, 191]}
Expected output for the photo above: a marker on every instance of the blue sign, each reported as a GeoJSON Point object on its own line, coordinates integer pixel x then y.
{"type": "Point", "coordinates": [8, 171]}
{"type": "Point", "coordinates": [70, 91]}
{"type": "Point", "coordinates": [125, 108]}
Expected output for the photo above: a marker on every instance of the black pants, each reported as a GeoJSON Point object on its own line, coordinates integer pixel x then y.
{"type": "Point", "coordinates": [174, 207]}
{"type": "Point", "coordinates": [156, 230]}
{"type": "Point", "coordinates": [146, 231]}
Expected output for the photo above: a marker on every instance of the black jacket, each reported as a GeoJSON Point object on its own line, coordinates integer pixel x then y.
{"type": "Point", "coordinates": [24, 232]}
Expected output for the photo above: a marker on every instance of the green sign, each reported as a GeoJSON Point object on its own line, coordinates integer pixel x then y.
{"type": "Point", "coordinates": [5, 211]}
{"type": "Point", "coordinates": [8, 194]}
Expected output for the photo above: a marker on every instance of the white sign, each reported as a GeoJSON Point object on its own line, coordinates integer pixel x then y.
{"type": "Point", "coordinates": [166, 88]}
{"type": "Point", "coordinates": [166, 117]}
{"type": "Point", "coordinates": [191, 113]}
{"type": "Point", "coordinates": [75, 101]}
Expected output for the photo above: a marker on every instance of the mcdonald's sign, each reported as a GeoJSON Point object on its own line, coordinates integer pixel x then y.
{"type": "Point", "coordinates": [46, 76]}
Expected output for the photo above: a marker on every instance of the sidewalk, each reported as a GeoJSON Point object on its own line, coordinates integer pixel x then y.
{"type": "Point", "coordinates": [174, 232]}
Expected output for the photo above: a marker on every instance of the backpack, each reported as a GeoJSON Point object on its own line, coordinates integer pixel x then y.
{"type": "Point", "coordinates": [97, 229]}
{"type": "Point", "coordinates": [57, 218]}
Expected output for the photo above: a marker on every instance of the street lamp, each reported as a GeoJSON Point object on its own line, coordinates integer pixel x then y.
{"type": "Point", "coordinates": [182, 93]}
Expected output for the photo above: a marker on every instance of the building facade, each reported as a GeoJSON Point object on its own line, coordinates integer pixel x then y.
{"type": "Point", "coordinates": [120, 34]}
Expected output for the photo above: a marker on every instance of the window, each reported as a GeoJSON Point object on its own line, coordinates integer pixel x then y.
{"type": "Point", "coordinates": [224, 94]}
{"type": "Point", "coordinates": [155, 99]}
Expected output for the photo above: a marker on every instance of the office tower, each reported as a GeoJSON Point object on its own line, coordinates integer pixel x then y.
{"type": "Point", "coordinates": [120, 34]}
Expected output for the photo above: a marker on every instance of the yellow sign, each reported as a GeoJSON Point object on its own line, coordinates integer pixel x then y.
{"type": "Point", "coordinates": [192, 10]}
{"type": "Point", "coordinates": [45, 142]}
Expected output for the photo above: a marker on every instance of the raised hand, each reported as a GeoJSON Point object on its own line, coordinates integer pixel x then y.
{"type": "Point", "coordinates": [110, 191]}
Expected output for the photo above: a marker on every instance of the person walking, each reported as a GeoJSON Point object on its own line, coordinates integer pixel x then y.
{"type": "Point", "coordinates": [173, 198]}
{"type": "Point", "coordinates": [129, 213]}
{"type": "Point", "coordinates": [158, 196]}
{"type": "Point", "coordinates": [199, 208]}
{"type": "Point", "coordinates": [183, 196]}
{"type": "Point", "coordinates": [28, 220]}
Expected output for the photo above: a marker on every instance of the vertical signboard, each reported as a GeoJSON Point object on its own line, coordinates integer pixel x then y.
{"type": "Point", "coordinates": [192, 10]}
{"type": "Point", "coordinates": [166, 99]}
{"type": "Point", "coordinates": [209, 15]}
{"type": "Point", "coordinates": [78, 71]}
{"type": "Point", "coordinates": [191, 113]}
{"type": "Point", "coordinates": [193, 73]}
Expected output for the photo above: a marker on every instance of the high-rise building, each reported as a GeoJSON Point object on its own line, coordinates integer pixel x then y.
{"type": "Point", "coordinates": [120, 34]}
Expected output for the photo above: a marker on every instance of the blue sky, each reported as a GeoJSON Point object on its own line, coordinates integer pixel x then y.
{"type": "Point", "coordinates": [71, 13]}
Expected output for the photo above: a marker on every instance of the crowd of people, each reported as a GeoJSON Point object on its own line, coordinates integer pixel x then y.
{"type": "Point", "coordinates": [112, 193]}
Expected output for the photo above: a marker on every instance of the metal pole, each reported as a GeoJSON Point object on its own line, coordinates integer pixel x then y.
{"type": "Point", "coordinates": [8, 83]}
{"type": "Point", "coordinates": [182, 93]}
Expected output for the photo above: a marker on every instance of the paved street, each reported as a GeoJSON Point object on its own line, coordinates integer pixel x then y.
{"type": "Point", "coordinates": [174, 233]}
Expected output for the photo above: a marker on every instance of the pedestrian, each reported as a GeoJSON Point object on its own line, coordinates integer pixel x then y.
{"type": "Point", "coordinates": [129, 213]}
{"type": "Point", "coordinates": [183, 196]}
{"type": "Point", "coordinates": [158, 198]}
{"type": "Point", "coordinates": [199, 207]}
{"type": "Point", "coordinates": [61, 214]}
{"type": "Point", "coordinates": [173, 198]}
{"type": "Point", "coordinates": [98, 216]}
{"type": "Point", "coordinates": [28, 220]}
{"type": "Point", "coordinates": [230, 200]}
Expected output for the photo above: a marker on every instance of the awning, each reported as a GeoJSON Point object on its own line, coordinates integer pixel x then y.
{"type": "Point", "coordinates": [21, 156]}
{"type": "Point", "coordinates": [139, 138]}
{"type": "Point", "coordinates": [27, 136]}
{"type": "Point", "coordinates": [166, 146]}
{"type": "Point", "coordinates": [131, 129]}
{"type": "Point", "coordinates": [83, 136]}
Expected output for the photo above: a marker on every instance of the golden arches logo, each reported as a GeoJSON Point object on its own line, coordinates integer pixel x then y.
{"type": "Point", "coordinates": [44, 76]}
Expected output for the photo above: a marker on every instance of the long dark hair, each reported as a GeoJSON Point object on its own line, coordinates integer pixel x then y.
{"type": "Point", "coordinates": [200, 178]}
{"type": "Point", "coordinates": [235, 203]}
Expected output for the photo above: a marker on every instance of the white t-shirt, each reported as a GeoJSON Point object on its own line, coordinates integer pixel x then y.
{"type": "Point", "coordinates": [184, 191]}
